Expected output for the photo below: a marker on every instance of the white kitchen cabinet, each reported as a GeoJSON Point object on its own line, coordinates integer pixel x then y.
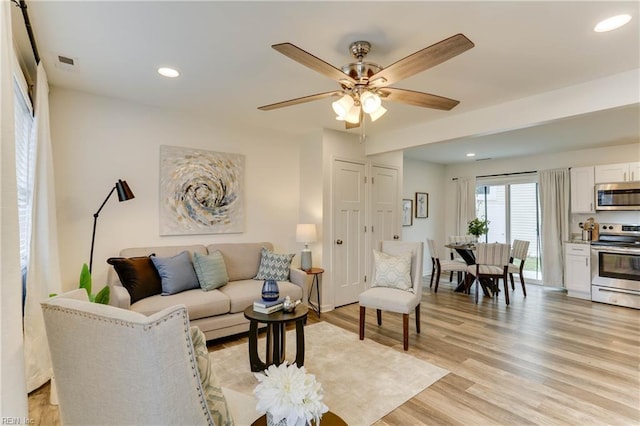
{"type": "Point", "coordinates": [582, 192]}
{"type": "Point", "coordinates": [620, 172]}
{"type": "Point", "coordinates": [577, 270]}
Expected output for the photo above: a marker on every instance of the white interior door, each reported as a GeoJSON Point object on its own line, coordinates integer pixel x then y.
{"type": "Point", "coordinates": [349, 234]}
{"type": "Point", "coordinates": [384, 205]}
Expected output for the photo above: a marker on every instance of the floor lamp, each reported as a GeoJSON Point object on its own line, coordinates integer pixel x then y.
{"type": "Point", "coordinates": [124, 194]}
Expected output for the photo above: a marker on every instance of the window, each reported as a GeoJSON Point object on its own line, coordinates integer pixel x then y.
{"type": "Point", "coordinates": [25, 166]}
{"type": "Point", "coordinates": [513, 208]}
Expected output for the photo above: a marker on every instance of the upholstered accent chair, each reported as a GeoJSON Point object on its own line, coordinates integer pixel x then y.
{"type": "Point", "coordinates": [492, 262]}
{"type": "Point", "coordinates": [519, 253]}
{"type": "Point", "coordinates": [395, 292]}
{"type": "Point", "coordinates": [453, 255]}
{"type": "Point", "coordinates": [113, 366]}
{"type": "Point", "coordinates": [439, 265]}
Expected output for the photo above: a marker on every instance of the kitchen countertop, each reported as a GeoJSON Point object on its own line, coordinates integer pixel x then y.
{"type": "Point", "coordinates": [577, 241]}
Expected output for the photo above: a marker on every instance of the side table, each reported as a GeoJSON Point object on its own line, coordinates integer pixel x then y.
{"type": "Point", "coordinates": [316, 272]}
{"type": "Point", "coordinates": [276, 335]}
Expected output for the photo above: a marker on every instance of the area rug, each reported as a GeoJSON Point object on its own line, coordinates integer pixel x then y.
{"type": "Point", "coordinates": [362, 380]}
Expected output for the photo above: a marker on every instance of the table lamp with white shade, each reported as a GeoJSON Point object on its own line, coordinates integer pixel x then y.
{"type": "Point", "coordinates": [305, 233]}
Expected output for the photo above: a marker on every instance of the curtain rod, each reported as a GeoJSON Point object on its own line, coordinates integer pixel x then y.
{"type": "Point", "coordinates": [503, 174]}
{"type": "Point", "coordinates": [27, 23]}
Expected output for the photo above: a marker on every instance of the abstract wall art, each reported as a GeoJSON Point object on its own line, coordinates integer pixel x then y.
{"type": "Point", "coordinates": [201, 192]}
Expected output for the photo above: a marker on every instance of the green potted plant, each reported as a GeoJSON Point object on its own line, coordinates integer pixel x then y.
{"type": "Point", "coordinates": [85, 282]}
{"type": "Point", "coordinates": [478, 227]}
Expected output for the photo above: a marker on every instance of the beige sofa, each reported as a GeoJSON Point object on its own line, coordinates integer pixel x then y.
{"type": "Point", "coordinates": [218, 312]}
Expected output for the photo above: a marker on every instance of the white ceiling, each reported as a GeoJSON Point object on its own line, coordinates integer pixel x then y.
{"type": "Point", "coordinates": [228, 68]}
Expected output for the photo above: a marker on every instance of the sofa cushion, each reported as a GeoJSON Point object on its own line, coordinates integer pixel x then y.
{"type": "Point", "coordinates": [199, 303]}
{"type": "Point", "coordinates": [243, 293]}
{"type": "Point", "coordinates": [138, 275]}
{"type": "Point", "coordinates": [211, 270]}
{"type": "Point", "coordinates": [241, 259]}
{"type": "Point", "coordinates": [162, 251]}
{"type": "Point", "coordinates": [176, 273]}
{"type": "Point", "coordinates": [274, 266]}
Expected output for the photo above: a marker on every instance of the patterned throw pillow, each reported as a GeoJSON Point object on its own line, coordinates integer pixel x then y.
{"type": "Point", "coordinates": [216, 401]}
{"type": "Point", "coordinates": [211, 270]}
{"type": "Point", "coordinates": [274, 266]}
{"type": "Point", "coordinates": [392, 271]}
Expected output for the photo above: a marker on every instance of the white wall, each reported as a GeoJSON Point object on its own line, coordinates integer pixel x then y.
{"type": "Point", "coordinates": [98, 140]}
{"type": "Point", "coordinates": [584, 157]}
{"type": "Point", "coordinates": [422, 176]}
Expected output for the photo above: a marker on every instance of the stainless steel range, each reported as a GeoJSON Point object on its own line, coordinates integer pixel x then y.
{"type": "Point", "coordinates": [615, 265]}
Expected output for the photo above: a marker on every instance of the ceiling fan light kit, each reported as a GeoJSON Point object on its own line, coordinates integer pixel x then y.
{"type": "Point", "coordinates": [364, 84]}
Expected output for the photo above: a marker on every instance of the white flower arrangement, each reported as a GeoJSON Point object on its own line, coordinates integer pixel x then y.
{"type": "Point", "coordinates": [288, 392]}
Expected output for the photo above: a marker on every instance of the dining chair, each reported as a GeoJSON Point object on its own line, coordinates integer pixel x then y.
{"type": "Point", "coordinates": [454, 254]}
{"type": "Point", "coordinates": [492, 261]}
{"type": "Point", "coordinates": [518, 251]}
{"type": "Point", "coordinates": [439, 265]}
{"type": "Point", "coordinates": [396, 285]}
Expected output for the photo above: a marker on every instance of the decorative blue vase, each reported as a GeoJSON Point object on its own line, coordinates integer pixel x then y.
{"type": "Point", "coordinates": [270, 290]}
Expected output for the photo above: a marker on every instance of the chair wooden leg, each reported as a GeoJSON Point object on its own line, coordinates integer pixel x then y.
{"type": "Point", "coordinates": [379, 316]}
{"type": "Point", "coordinates": [513, 287]}
{"type": "Point", "coordinates": [451, 276]}
{"type": "Point", "coordinates": [362, 312]}
{"type": "Point", "coordinates": [506, 288]}
{"type": "Point", "coordinates": [524, 290]}
{"type": "Point", "coordinates": [438, 270]}
{"type": "Point", "coordinates": [418, 318]}
{"type": "Point", "coordinates": [405, 331]}
{"type": "Point", "coordinates": [433, 271]}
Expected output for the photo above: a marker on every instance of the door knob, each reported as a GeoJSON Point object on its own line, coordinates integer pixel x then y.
{"type": "Point", "coordinates": [395, 237]}
{"type": "Point", "coordinates": [339, 242]}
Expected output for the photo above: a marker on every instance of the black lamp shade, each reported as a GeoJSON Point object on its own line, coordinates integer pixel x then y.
{"type": "Point", "coordinates": [124, 192]}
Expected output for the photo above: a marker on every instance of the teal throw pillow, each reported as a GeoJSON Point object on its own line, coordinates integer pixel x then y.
{"type": "Point", "coordinates": [176, 273]}
{"type": "Point", "coordinates": [211, 270]}
{"type": "Point", "coordinates": [274, 266]}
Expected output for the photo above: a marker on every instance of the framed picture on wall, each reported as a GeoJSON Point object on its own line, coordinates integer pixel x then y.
{"type": "Point", "coordinates": [422, 205]}
{"type": "Point", "coordinates": [407, 212]}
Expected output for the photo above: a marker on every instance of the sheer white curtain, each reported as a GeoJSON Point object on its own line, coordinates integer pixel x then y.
{"type": "Point", "coordinates": [465, 203]}
{"type": "Point", "coordinates": [554, 208]}
{"type": "Point", "coordinates": [13, 393]}
{"type": "Point", "coordinates": [43, 274]}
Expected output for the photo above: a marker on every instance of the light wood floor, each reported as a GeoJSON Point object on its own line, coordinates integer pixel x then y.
{"type": "Point", "coordinates": [546, 359]}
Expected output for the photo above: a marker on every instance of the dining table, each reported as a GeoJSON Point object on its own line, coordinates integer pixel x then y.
{"type": "Point", "coordinates": [466, 252]}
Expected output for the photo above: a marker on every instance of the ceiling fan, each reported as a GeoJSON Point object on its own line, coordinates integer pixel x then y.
{"type": "Point", "coordinates": [363, 85]}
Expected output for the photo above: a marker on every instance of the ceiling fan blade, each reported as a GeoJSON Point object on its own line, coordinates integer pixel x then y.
{"type": "Point", "coordinates": [313, 62]}
{"type": "Point", "coordinates": [420, 99]}
{"type": "Point", "coordinates": [300, 100]}
{"type": "Point", "coordinates": [424, 59]}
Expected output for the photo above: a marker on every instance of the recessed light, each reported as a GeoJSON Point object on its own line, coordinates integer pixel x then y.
{"type": "Point", "coordinates": [168, 72]}
{"type": "Point", "coordinates": [471, 154]}
{"type": "Point", "coordinates": [612, 23]}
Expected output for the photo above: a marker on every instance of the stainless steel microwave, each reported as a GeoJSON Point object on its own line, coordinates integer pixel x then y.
{"type": "Point", "coordinates": [618, 196]}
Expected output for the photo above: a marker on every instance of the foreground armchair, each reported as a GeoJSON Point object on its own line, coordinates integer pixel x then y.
{"type": "Point", "coordinates": [114, 367]}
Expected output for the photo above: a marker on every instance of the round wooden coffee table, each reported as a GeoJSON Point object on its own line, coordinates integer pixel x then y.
{"type": "Point", "coordinates": [276, 335]}
{"type": "Point", "coordinates": [328, 419]}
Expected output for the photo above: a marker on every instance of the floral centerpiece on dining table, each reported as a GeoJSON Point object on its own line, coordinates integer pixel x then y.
{"type": "Point", "coordinates": [289, 396]}
{"type": "Point", "coordinates": [478, 227]}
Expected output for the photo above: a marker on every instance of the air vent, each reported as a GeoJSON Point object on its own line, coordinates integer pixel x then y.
{"type": "Point", "coordinates": [65, 62]}
{"type": "Point", "coordinates": [483, 159]}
